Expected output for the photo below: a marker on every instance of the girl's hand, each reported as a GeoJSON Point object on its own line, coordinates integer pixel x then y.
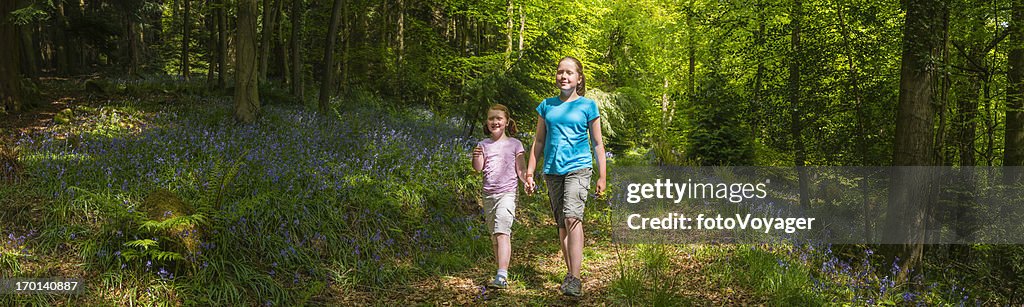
{"type": "Point", "coordinates": [530, 185]}
{"type": "Point", "coordinates": [601, 185]}
{"type": "Point", "coordinates": [478, 151]}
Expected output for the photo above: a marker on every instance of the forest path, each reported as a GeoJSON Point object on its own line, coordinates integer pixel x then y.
{"type": "Point", "coordinates": [613, 274]}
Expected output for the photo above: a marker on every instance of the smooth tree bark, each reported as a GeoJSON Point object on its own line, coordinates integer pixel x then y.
{"type": "Point", "coordinates": [10, 79]}
{"type": "Point", "coordinates": [186, 39]}
{"type": "Point", "coordinates": [1013, 153]}
{"type": "Point", "coordinates": [296, 48]}
{"type": "Point", "coordinates": [911, 190]}
{"type": "Point", "coordinates": [326, 87]}
{"type": "Point", "coordinates": [247, 96]}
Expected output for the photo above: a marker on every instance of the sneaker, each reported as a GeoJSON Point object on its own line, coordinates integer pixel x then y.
{"type": "Point", "coordinates": [565, 282]}
{"type": "Point", "coordinates": [572, 286]}
{"type": "Point", "coordinates": [498, 283]}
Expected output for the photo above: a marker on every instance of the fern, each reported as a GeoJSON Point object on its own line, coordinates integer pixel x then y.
{"type": "Point", "coordinates": [213, 197]}
{"type": "Point", "coordinates": [145, 244]}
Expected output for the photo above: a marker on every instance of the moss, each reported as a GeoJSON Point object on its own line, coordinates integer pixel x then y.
{"type": "Point", "coordinates": [64, 116]}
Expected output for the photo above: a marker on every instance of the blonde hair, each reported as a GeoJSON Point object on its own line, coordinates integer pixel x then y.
{"type": "Point", "coordinates": [511, 128]}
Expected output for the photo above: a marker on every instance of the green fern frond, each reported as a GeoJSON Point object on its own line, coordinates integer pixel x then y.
{"type": "Point", "coordinates": [144, 243]}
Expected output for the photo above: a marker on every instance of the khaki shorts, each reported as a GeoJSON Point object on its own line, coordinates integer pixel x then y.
{"type": "Point", "coordinates": [501, 211]}
{"type": "Point", "coordinates": [568, 194]}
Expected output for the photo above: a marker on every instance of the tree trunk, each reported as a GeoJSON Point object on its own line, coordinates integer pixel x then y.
{"type": "Point", "coordinates": [297, 66]}
{"type": "Point", "coordinates": [134, 46]}
{"type": "Point", "coordinates": [222, 44]}
{"type": "Point", "coordinates": [10, 79]}
{"type": "Point", "coordinates": [522, 29]}
{"type": "Point", "coordinates": [911, 190]}
{"type": "Point", "coordinates": [509, 23]}
{"type": "Point", "coordinates": [186, 39]}
{"type": "Point", "coordinates": [247, 95]}
{"type": "Point", "coordinates": [401, 33]}
{"type": "Point", "coordinates": [28, 64]}
{"type": "Point", "coordinates": [59, 41]}
{"type": "Point", "coordinates": [267, 35]}
{"type": "Point", "coordinates": [281, 58]}
{"type": "Point", "coordinates": [756, 100]}
{"type": "Point", "coordinates": [346, 48]}
{"type": "Point", "coordinates": [332, 34]}
{"type": "Point", "coordinates": [691, 53]}
{"type": "Point", "coordinates": [796, 109]}
{"type": "Point", "coordinates": [211, 43]}
{"type": "Point", "coordinates": [1013, 154]}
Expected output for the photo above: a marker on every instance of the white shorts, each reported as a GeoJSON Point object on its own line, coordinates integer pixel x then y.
{"type": "Point", "coordinates": [501, 211]}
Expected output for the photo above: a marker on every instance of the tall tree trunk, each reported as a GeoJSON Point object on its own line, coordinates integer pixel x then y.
{"type": "Point", "coordinates": [1013, 153]}
{"type": "Point", "coordinates": [186, 39]}
{"type": "Point", "coordinates": [59, 41]}
{"type": "Point", "coordinates": [691, 53]}
{"type": "Point", "coordinates": [134, 46]}
{"type": "Point", "coordinates": [11, 93]}
{"type": "Point", "coordinates": [795, 106]}
{"type": "Point", "coordinates": [509, 13]}
{"type": "Point", "coordinates": [346, 64]}
{"type": "Point", "coordinates": [522, 29]}
{"type": "Point", "coordinates": [211, 43]}
{"type": "Point", "coordinates": [281, 58]}
{"type": "Point", "coordinates": [297, 66]}
{"type": "Point", "coordinates": [756, 100]}
{"type": "Point", "coordinates": [267, 36]}
{"type": "Point", "coordinates": [328, 80]}
{"type": "Point", "coordinates": [400, 36]}
{"type": "Point", "coordinates": [28, 58]}
{"type": "Point", "coordinates": [911, 190]}
{"type": "Point", "coordinates": [247, 95]}
{"type": "Point", "coordinates": [222, 44]}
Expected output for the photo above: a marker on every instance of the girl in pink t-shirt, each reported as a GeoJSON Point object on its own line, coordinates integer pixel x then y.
{"type": "Point", "coordinates": [500, 158]}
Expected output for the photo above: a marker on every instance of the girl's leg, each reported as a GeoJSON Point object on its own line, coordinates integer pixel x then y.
{"type": "Point", "coordinates": [574, 246]}
{"type": "Point", "coordinates": [502, 250]}
{"type": "Point", "coordinates": [564, 244]}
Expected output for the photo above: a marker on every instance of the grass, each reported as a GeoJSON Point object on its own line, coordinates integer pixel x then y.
{"type": "Point", "coordinates": [275, 212]}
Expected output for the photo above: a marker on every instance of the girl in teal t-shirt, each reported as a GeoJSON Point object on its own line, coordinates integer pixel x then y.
{"type": "Point", "coordinates": [568, 132]}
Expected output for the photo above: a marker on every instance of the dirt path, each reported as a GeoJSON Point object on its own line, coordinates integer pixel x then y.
{"type": "Point", "coordinates": [537, 270]}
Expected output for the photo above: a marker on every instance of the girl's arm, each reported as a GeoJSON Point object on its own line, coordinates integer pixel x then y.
{"type": "Point", "coordinates": [521, 169]}
{"type": "Point", "coordinates": [536, 150]}
{"type": "Point", "coordinates": [598, 144]}
{"type": "Point", "coordinates": [478, 158]}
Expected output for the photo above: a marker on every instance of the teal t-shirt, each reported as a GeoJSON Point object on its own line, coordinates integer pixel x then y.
{"type": "Point", "coordinates": [567, 146]}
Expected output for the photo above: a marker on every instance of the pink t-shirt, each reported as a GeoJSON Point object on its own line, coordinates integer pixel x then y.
{"type": "Point", "coordinates": [500, 165]}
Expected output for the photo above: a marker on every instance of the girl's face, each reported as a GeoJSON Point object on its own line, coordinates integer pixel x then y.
{"type": "Point", "coordinates": [496, 122]}
{"type": "Point", "coordinates": [568, 76]}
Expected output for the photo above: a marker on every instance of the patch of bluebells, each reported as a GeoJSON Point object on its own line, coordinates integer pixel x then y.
{"type": "Point", "coordinates": [16, 244]}
{"type": "Point", "coordinates": [859, 279]}
{"type": "Point", "coordinates": [300, 174]}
